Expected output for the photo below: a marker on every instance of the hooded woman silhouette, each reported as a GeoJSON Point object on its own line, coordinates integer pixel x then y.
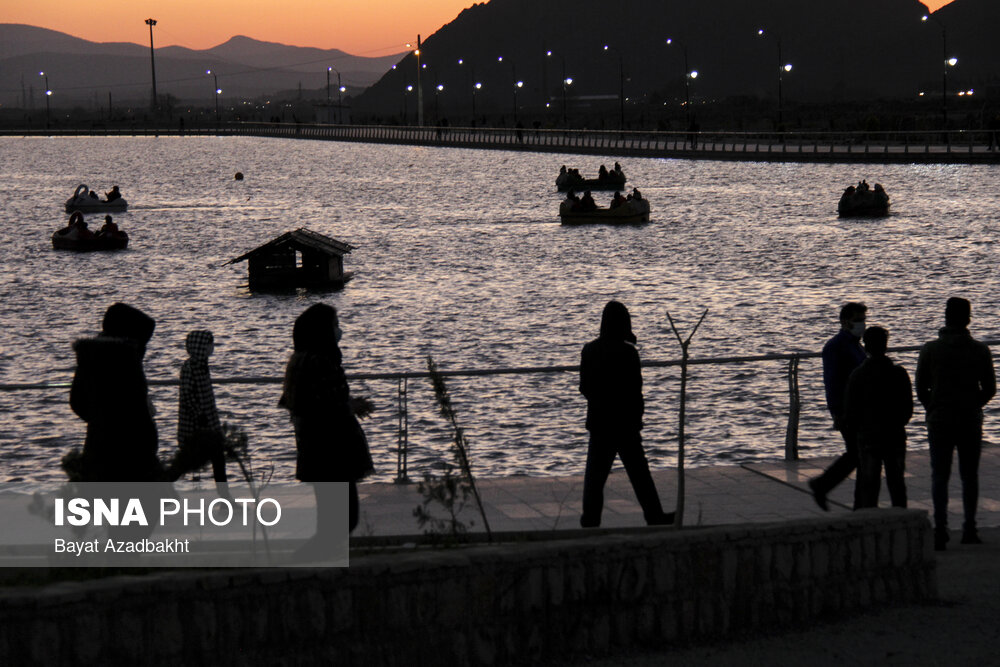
{"type": "Point", "coordinates": [611, 380]}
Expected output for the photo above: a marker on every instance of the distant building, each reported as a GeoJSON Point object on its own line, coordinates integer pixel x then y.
{"type": "Point", "coordinates": [300, 258]}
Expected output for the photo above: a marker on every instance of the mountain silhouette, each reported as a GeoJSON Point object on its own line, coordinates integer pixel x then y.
{"type": "Point", "coordinates": [80, 70]}
{"type": "Point", "coordinates": [840, 50]}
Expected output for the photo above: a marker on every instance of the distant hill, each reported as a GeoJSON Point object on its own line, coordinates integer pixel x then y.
{"type": "Point", "coordinates": [81, 71]}
{"type": "Point", "coordinates": [841, 50]}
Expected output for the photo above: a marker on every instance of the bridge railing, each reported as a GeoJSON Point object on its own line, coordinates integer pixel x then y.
{"type": "Point", "coordinates": [980, 146]}
{"type": "Point", "coordinates": [402, 379]}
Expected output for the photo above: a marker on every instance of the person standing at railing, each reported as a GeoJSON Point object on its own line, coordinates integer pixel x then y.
{"type": "Point", "coordinates": [200, 438]}
{"type": "Point", "coordinates": [611, 380]}
{"type": "Point", "coordinates": [841, 355]}
{"type": "Point", "coordinates": [878, 405]}
{"type": "Point", "coordinates": [330, 442]}
{"type": "Point", "coordinates": [110, 393]}
{"type": "Point", "coordinates": [955, 379]}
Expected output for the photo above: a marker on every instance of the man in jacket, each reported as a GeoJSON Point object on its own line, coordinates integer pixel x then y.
{"type": "Point", "coordinates": [841, 355]}
{"type": "Point", "coordinates": [879, 404]}
{"type": "Point", "coordinates": [955, 379]}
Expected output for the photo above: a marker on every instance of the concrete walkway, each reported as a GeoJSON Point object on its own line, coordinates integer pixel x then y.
{"type": "Point", "coordinates": [755, 493]}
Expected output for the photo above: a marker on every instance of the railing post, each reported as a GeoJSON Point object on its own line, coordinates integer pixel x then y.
{"type": "Point", "coordinates": [792, 430]}
{"type": "Point", "coordinates": [402, 436]}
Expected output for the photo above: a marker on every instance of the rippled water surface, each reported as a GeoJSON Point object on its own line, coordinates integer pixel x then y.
{"type": "Point", "coordinates": [460, 256]}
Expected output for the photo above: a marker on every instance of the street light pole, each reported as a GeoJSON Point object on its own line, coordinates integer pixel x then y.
{"type": "Point", "coordinates": [420, 90]}
{"type": "Point", "coordinates": [340, 93]}
{"type": "Point", "coordinates": [340, 101]}
{"type": "Point", "coordinates": [621, 86]}
{"type": "Point", "coordinates": [946, 62]}
{"type": "Point", "coordinates": [218, 91]}
{"type": "Point", "coordinates": [48, 94]}
{"type": "Point", "coordinates": [152, 61]}
{"type": "Point", "coordinates": [517, 84]}
{"type": "Point", "coordinates": [565, 82]}
{"type": "Point", "coordinates": [688, 75]}
{"type": "Point", "coordinates": [782, 68]}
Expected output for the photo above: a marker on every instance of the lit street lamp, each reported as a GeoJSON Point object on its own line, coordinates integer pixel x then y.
{"type": "Point", "coordinates": [689, 74]}
{"type": "Point", "coordinates": [565, 82]}
{"type": "Point", "coordinates": [420, 90]}
{"type": "Point", "coordinates": [783, 67]}
{"type": "Point", "coordinates": [152, 62]}
{"type": "Point", "coordinates": [621, 85]}
{"type": "Point", "coordinates": [517, 84]}
{"type": "Point", "coordinates": [948, 62]}
{"type": "Point", "coordinates": [437, 91]}
{"type": "Point", "coordinates": [218, 91]}
{"type": "Point", "coordinates": [406, 93]}
{"type": "Point", "coordinates": [475, 86]}
{"type": "Point", "coordinates": [340, 92]}
{"type": "Point", "coordinates": [48, 94]}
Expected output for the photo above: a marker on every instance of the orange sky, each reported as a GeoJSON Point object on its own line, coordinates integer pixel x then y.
{"type": "Point", "coordinates": [359, 27]}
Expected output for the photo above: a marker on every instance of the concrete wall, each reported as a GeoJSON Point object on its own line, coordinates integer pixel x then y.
{"type": "Point", "coordinates": [484, 604]}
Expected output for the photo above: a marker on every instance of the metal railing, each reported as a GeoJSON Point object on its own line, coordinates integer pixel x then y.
{"type": "Point", "coordinates": [953, 146]}
{"type": "Point", "coordinates": [402, 379]}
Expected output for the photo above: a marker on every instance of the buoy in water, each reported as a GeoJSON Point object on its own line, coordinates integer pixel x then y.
{"type": "Point", "coordinates": [238, 176]}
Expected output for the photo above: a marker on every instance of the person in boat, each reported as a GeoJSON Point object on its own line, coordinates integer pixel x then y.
{"type": "Point", "coordinates": [79, 225]}
{"type": "Point", "coordinates": [602, 173]}
{"type": "Point", "coordinates": [93, 195]}
{"type": "Point", "coordinates": [587, 202]}
{"type": "Point", "coordinates": [562, 170]}
{"type": "Point", "coordinates": [618, 169]}
{"type": "Point", "coordinates": [636, 195]}
{"type": "Point", "coordinates": [617, 200]}
{"type": "Point", "coordinates": [114, 194]}
{"type": "Point", "coordinates": [574, 201]}
{"type": "Point", "coordinates": [109, 228]}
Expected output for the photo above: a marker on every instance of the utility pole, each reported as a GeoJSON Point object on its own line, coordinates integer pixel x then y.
{"type": "Point", "coordinates": [152, 61]}
{"type": "Point", "coordinates": [420, 89]}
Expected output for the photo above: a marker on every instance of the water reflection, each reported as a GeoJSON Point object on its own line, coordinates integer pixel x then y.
{"type": "Point", "coordinates": [460, 255]}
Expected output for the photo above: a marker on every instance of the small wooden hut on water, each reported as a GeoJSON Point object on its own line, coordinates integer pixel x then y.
{"type": "Point", "coordinates": [301, 258]}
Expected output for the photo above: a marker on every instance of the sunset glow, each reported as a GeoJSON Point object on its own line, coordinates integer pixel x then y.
{"type": "Point", "coordinates": [375, 28]}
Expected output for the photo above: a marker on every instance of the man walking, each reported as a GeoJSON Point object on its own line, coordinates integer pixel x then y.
{"type": "Point", "coordinates": [879, 404]}
{"type": "Point", "coordinates": [955, 379]}
{"type": "Point", "coordinates": [841, 355]}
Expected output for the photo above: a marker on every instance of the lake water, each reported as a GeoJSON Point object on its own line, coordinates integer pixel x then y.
{"type": "Point", "coordinates": [460, 256]}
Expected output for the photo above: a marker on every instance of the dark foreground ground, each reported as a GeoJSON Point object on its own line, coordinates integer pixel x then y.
{"type": "Point", "coordinates": [961, 628]}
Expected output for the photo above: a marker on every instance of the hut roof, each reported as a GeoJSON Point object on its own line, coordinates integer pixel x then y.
{"type": "Point", "coordinates": [300, 239]}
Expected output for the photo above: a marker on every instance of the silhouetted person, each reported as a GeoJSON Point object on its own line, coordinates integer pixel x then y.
{"type": "Point", "coordinates": [109, 228]}
{"type": "Point", "coordinates": [331, 444]}
{"type": "Point", "coordinates": [199, 431]}
{"type": "Point", "coordinates": [611, 380]}
{"type": "Point", "coordinates": [617, 200]}
{"type": "Point", "coordinates": [955, 379]}
{"type": "Point", "coordinates": [879, 404]}
{"type": "Point", "coordinates": [841, 355]}
{"type": "Point", "coordinates": [114, 194]}
{"type": "Point", "coordinates": [110, 393]}
{"type": "Point", "coordinates": [602, 173]}
{"type": "Point", "coordinates": [587, 202]}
